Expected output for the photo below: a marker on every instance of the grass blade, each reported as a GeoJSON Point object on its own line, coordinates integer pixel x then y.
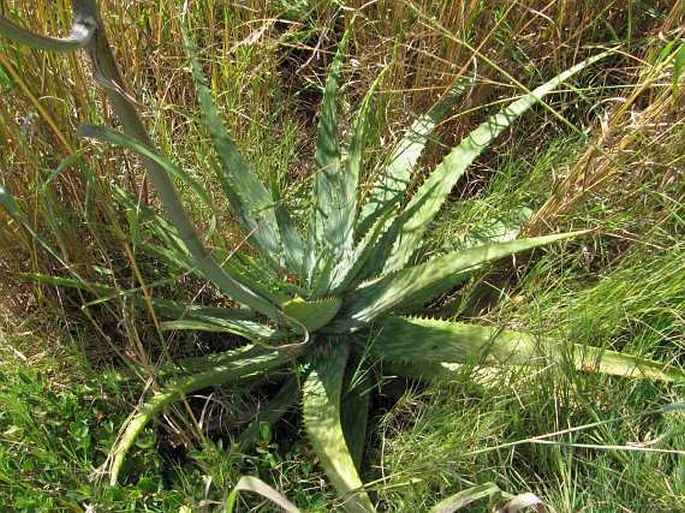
{"type": "Point", "coordinates": [354, 417]}
{"type": "Point", "coordinates": [321, 413]}
{"type": "Point", "coordinates": [256, 485]}
{"type": "Point", "coordinates": [426, 203]}
{"type": "Point", "coordinates": [465, 497]}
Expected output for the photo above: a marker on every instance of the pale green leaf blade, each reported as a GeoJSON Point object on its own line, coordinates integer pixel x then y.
{"type": "Point", "coordinates": [465, 497]}
{"type": "Point", "coordinates": [425, 204]}
{"type": "Point", "coordinates": [248, 195]}
{"type": "Point", "coordinates": [256, 485]}
{"type": "Point", "coordinates": [321, 413]}
{"type": "Point", "coordinates": [414, 286]}
{"type": "Point", "coordinates": [240, 364]}
{"type": "Point", "coordinates": [390, 186]}
{"type": "Point", "coordinates": [434, 341]}
{"type": "Point", "coordinates": [334, 191]}
{"type": "Point", "coordinates": [188, 316]}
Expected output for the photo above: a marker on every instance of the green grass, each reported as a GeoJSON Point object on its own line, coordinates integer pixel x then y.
{"type": "Point", "coordinates": [622, 288]}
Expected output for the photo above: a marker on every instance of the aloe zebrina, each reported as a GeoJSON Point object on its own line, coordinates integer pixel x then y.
{"type": "Point", "coordinates": [352, 275]}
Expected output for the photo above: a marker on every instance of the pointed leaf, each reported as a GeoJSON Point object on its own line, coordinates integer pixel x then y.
{"type": "Point", "coordinates": [335, 189]}
{"type": "Point", "coordinates": [425, 204]}
{"type": "Point", "coordinates": [293, 244]}
{"type": "Point", "coordinates": [312, 314]}
{"type": "Point", "coordinates": [222, 278]}
{"type": "Point", "coordinates": [242, 363]}
{"type": "Point", "coordinates": [248, 195]}
{"type": "Point", "coordinates": [431, 341]}
{"type": "Point", "coordinates": [389, 189]}
{"type": "Point", "coordinates": [321, 413]}
{"type": "Point", "coordinates": [416, 285]}
{"type": "Point", "coordinates": [350, 266]}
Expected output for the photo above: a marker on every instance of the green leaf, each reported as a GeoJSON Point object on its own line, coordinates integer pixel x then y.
{"type": "Point", "coordinates": [237, 365]}
{"type": "Point", "coordinates": [335, 189]}
{"type": "Point", "coordinates": [430, 341]}
{"type": "Point", "coordinates": [425, 204]}
{"type": "Point", "coordinates": [9, 203]}
{"type": "Point", "coordinates": [390, 186]}
{"type": "Point", "coordinates": [312, 314]}
{"type": "Point", "coordinates": [350, 266]}
{"type": "Point", "coordinates": [293, 245]}
{"type": "Point", "coordinates": [248, 195]}
{"type": "Point", "coordinates": [414, 286]}
{"type": "Point", "coordinates": [321, 413]}
{"type": "Point", "coordinates": [354, 416]}
{"type": "Point", "coordinates": [420, 340]}
{"type": "Point", "coordinates": [223, 278]}
{"type": "Point", "coordinates": [81, 35]}
{"type": "Point", "coordinates": [187, 316]}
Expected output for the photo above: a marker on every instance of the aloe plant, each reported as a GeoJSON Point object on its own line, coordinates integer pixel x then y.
{"type": "Point", "coordinates": [326, 298]}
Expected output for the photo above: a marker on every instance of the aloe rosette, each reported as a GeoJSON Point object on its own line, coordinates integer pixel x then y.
{"type": "Point", "coordinates": [326, 298]}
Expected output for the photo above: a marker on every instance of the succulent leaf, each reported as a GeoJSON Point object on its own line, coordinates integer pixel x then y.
{"type": "Point", "coordinates": [335, 188]}
{"type": "Point", "coordinates": [239, 364]}
{"type": "Point", "coordinates": [390, 186]}
{"type": "Point", "coordinates": [416, 285]}
{"type": "Point", "coordinates": [321, 413]}
{"type": "Point", "coordinates": [425, 204]}
{"type": "Point", "coordinates": [248, 195]}
{"type": "Point", "coordinates": [312, 314]}
{"type": "Point", "coordinates": [433, 341]}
